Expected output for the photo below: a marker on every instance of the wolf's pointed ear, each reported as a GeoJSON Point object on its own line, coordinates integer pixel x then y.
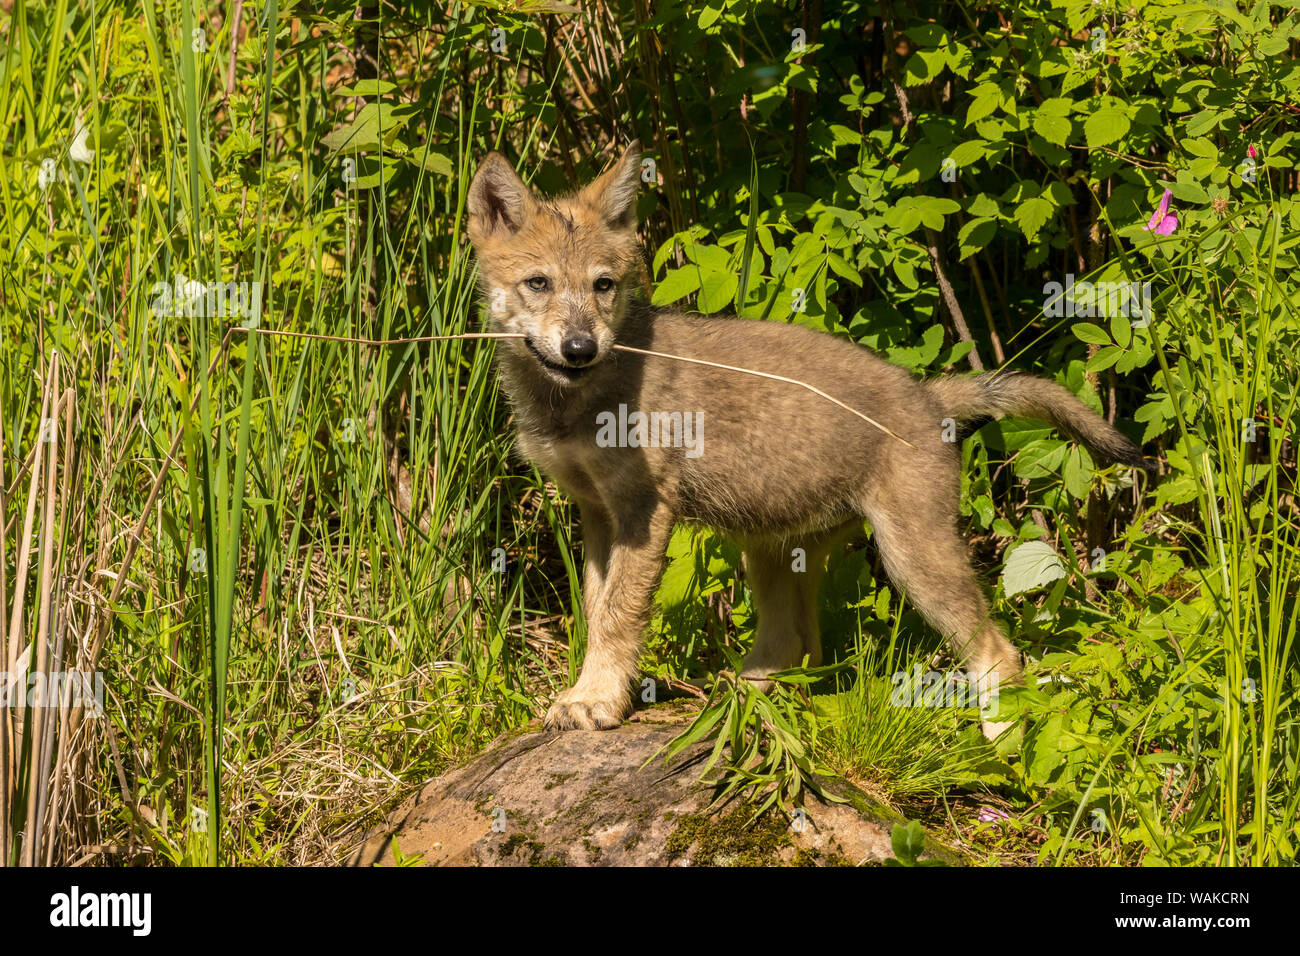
{"type": "Point", "coordinates": [614, 192]}
{"type": "Point", "coordinates": [498, 200]}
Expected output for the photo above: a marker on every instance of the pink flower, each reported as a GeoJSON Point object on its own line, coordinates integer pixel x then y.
{"type": "Point", "coordinates": [992, 815]}
{"type": "Point", "coordinates": [1250, 151]}
{"type": "Point", "coordinates": [1163, 221]}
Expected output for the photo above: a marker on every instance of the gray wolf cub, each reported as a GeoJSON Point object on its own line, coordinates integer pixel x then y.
{"type": "Point", "coordinates": [641, 443]}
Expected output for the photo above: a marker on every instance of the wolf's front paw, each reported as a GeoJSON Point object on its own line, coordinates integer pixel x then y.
{"type": "Point", "coordinates": [758, 676]}
{"type": "Point", "coordinates": [577, 710]}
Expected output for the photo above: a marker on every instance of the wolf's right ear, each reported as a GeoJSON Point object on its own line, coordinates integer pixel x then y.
{"type": "Point", "coordinates": [498, 201]}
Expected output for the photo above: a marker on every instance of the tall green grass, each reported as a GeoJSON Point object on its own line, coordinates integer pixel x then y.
{"type": "Point", "coordinates": [313, 619]}
{"type": "Point", "coordinates": [1251, 544]}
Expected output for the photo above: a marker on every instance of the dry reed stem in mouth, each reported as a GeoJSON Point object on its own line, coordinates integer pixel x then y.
{"type": "Point", "coordinates": [622, 348]}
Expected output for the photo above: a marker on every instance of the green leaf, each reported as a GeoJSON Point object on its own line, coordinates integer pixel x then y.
{"type": "Point", "coordinates": [933, 209]}
{"type": "Point", "coordinates": [924, 65]}
{"type": "Point", "coordinates": [906, 219]}
{"type": "Point", "coordinates": [1105, 126]}
{"type": "Point", "coordinates": [843, 269]}
{"type": "Point", "coordinates": [1094, 335]}
{"type": "Point", "coordinates": [373, 170]}
{"type": "Point", "coordinates": [927, 34]}
{"type": "Point", "coordinates": [1137, 356]}
{"type": "Point", "coordinates": [1105, 358]}
{"type": "Point", "coordinates": [1053, 128]}
{"type": "Point", "coordinates": [717, 290]}
{"type": "Point", "coordinates": [1120, 330]}
{"type": "Point", "coordinates": [435, 163]}
{"type": "Point", "coordinates": [971, 151]}
{"type": "Point", "coordinates": [705, 722]}
{"type": "Point", "coordinates": [1203, 122]}
{"type": "Point", "coordinates": [1047, 756]}
{"type": "Point", "coordinates": [1078, 473]}
{"type": "Point", "coordinates": [374, 125]}
{"type": "Point", "coordinates": [906, 273]}
{"type": "Point", "coordinates": [676, 285]}
{"type": "Point", "coordinates": [1032, 214]}
{"type": "Point", "coordinates": [1055, 106]}
{"type": "Point", "coordinates": [745, 278]}
{"type": "Point", "coordinates": [974, 236]}
{"type": "Point", "coordinates": [987, 96]}
{"type": "Point", "coordinates": [908, 842]}
{"type": "Point", "coordinates": [1177, 490]}
{"type": "Point", "coordinates": [983, 205]}
{"type": "Point", "coordinates": [709, 15]}
{"type": "Point", "coordinates": [371, 87]}
{"type": "Point", "coordinates": [1031, 565]}
{"type": "Point", "coordinates": [1189, 192]}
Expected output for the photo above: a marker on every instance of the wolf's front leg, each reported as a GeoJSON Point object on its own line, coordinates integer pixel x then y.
{"type": "Point", "coordinates": [618, 603]}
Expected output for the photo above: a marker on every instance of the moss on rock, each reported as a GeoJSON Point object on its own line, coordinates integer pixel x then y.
{"type": "Point", "coordinates": [730, 840]}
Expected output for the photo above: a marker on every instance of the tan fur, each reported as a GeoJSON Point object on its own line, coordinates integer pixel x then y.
{"type": "Point", "coordinates": [780, 468]}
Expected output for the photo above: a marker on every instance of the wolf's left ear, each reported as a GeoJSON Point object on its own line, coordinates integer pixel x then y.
{"type": "Point", "coordinates": [614, 193]}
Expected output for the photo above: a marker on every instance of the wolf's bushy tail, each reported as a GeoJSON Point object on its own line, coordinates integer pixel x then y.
{"type": "Point", "coordinates": [995, 394]}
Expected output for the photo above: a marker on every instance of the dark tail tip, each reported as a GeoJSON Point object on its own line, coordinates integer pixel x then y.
{"type": "Point", "coordinates": [1129, 454]}
{"type": "Point", "coordinates": [968, 427]}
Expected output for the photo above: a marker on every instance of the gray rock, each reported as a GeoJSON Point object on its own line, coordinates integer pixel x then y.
{"type": "Point", "coordinates": [584, 798]}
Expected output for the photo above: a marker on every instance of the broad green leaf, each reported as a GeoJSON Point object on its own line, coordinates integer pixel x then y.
{"type": "Point", "coordinates": [1189, 192]}
{"type": "Point", "coordinates": [1032, 214]}
{"type": "Point", "coordinates": [1078, 473]}
{"type": "Point", "coordinates": [1105, 126]}
{"type": "Point", "coordinates": [974, 236]}
{"type": "Point", "coordinates": [987, 96]}
{"type": "Point", "coordinates": [1053, 128]}
{"type": "Point", "coordinates": [1090, 333]}
{"type": "Point", "coordinates": [1203, 122]}
{"type": "Point", "coordinates": [908, 842]}
{"type": "Point", "coordinates": [370, 87]}
{"type": "Point", "coordinates": [843, 269]}
{"type": "Point", "coordinates": [676, 285]}
{"type": "Point", "coordinates": [717, 291]}
{"type": "Point", "coordinates": [971, 151]}
{"type": "Point", "coordinates": [1105, 358]}
{"type": "Point", "coordinates": [432, 162]}
{"type": "Point", "coordinates": [1120, 330]}
{"type": "Point", "coordinates": [374, 125]}
{"type": "Point", "coordinates": [1031, 565]}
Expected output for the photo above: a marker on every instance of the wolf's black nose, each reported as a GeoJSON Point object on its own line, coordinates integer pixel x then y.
{"type": "Point", "coordinates": [578, 349]}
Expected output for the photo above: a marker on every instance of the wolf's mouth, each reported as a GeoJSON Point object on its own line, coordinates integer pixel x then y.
{"type": "Point", "coordinates": [569, 373]}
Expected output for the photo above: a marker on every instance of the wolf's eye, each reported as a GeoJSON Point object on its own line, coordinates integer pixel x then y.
{"type": "Point", "coordinates": [537, 283]}
{"type": "Point", "coordinates": [603, 284]}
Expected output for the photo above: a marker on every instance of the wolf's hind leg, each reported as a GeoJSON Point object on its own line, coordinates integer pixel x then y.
{"type": "Point", "coordinates": [786, 585]}
{"type": "Point", "coordinates": [926, 558]}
